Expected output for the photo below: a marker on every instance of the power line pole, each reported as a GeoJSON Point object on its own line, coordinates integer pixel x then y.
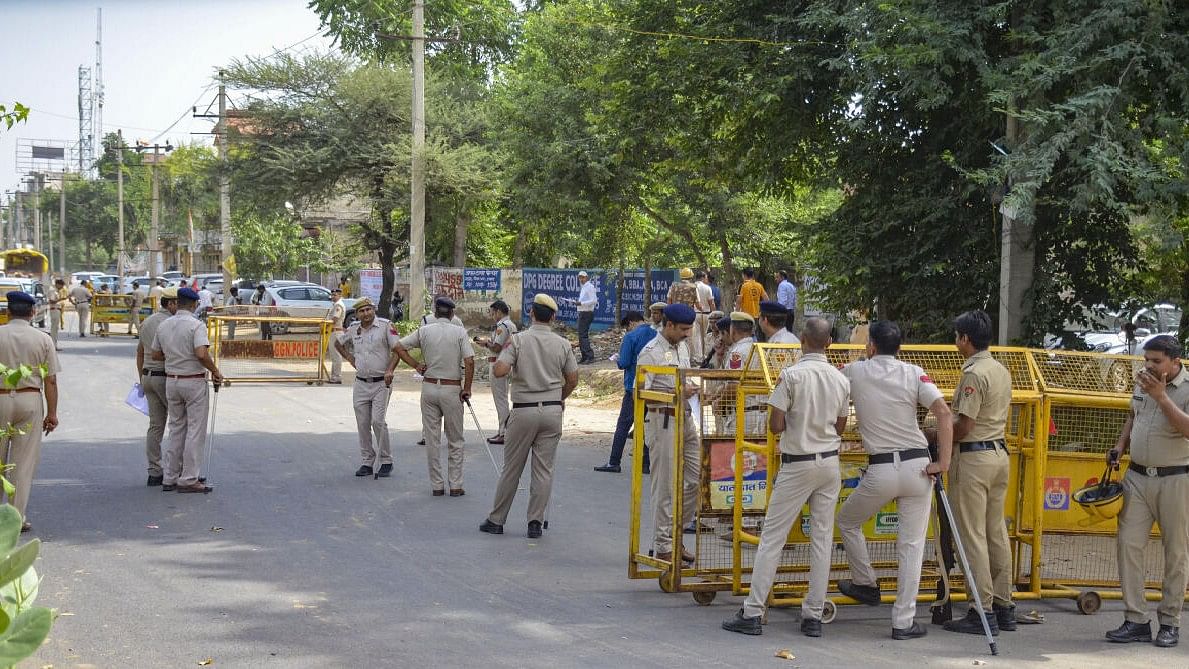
{"type": "Point", "coordinates": [62, 228]}
{"type": "Point", "coordinates": [37, 183]}
{"type": "Point", "coordinates": [120, 203]}
{"type": "Point", "coordinates": [224, 190]}
{"type": "Point", "coordinates": [417, 208]}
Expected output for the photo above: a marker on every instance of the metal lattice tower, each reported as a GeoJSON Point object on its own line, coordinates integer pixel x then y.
{"type": "Point", "coordinates": [97, 98]}
{"type": "Point", "coordinates": [86, 122]}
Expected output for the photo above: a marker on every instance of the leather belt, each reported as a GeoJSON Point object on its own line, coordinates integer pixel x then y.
{"type": "Point", "coordinates": [789, 457]}
{"type": "Point", "coordinates": [369, 379]}
{"type": "Point", "coordinates": [526, 405]}
{"type": "Point", "coordinates": [186, 376]}
{"type": "Point", "coordinates": [974, 446]}
{"type": "Point", "coordinates": [443, 382]}
{"type": "Point", "coordinates": [755, 408]}
{"type": "Point", "coordinates": [1158, 471]}
{"type": "Point", "coordinates": [20, 390]}
{"type": "Point", "coordinates": [152, 372]}
{"type": "Point", "coordinates": [908, 454]}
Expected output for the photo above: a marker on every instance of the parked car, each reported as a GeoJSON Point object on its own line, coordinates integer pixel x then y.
{"type": "Point", "coordinates": [30, 286]}
{"type": "Point", "coordinates": [79, 277]}
{"type": "Point", "coordinates": [1104, 331]}
{"type": "Point", "coordinates": [300, 294]}
{"type": "Point", "coordinates": [173, 275]}
{"type": "Point", "coordinates": [203, 279]}
{"type": "Point", "coordinates": [110, 281]}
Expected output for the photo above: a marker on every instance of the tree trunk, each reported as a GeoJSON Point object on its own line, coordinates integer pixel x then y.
{"type": "Point", "coordinates": [518, 248]}
{"type": "Point", "coordinates": [682, 232]}
{"type": "Point", "coordinates": [462, 222]}
{"type": "Point", "coordinates": [729, 284]}
{"type": "Point", "coordinates": [647, 282]}
{"type": "Point", "coordinates": [387, 252]}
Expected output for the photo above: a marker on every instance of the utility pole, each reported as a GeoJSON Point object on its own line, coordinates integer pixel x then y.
{"type": "Point", "coordinates": [155, 265]}
{"type": "Point", "coordinates": [224, 190]}
{"type": "Point", "coordinates": [38, 180]}
{"type": "Point", "coordinates": [120, 203]}
{"type": "Point", "coordinates": [14, 239]}
{"type": "Point", "coordinates": [49, 233]}
{"type": "Point", "coordinates": [417, 208]}
{"type": "Point", "coordinates": [61, 229]}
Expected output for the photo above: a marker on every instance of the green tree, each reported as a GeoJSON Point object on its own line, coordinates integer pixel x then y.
{"type": "Point", "coordinates": [19, 114]}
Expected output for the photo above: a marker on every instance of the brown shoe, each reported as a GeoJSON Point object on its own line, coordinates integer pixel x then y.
{"type": "Point", "coordinates": [686, 556]}
{"type": "Point", "coordinates": [497, 439]}
{"type": "Point", "coordinates": [439, 493]}
{"type": "Point", "coordinates": [457, 492]}
{"type": "Point", "coordinates": [667, 557]}
{"type": "Point", "coordinates": [197, 487]}
{"type": "Point", "coordinates": [26, 526]}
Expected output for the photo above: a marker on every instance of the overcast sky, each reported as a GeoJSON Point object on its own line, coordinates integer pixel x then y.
{"type": "Point", "coordinates": [158, 57]}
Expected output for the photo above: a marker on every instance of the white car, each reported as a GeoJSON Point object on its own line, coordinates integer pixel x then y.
{"type": "Point", "coordinates": [295, 298]}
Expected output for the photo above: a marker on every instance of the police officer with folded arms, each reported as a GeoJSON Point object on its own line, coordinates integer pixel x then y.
{"type": "Point", "coordinates": [809, 408]}
{"type": "Point", "coordinates": [1155, 490]}
{"type": "Point", "coordinates": [886, 393]}
{"type": "Point", "coordinates": [372, 342]}
{"type": "Point", "coordinates": [543, 374]}
{"type": "Point", "coordinates": [181, 343]}
{"type": "Point", "coordinates": [21, 406]}
{"type": "Point", "coordinates": [152, 382]}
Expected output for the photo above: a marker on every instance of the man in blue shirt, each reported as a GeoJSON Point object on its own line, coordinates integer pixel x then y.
{"type": "Point", "coordinates": [639, 333]}
{"type": "Point", "coordinates": [786, 292]}
{"type": "Point", "coordinates": [716, 291]}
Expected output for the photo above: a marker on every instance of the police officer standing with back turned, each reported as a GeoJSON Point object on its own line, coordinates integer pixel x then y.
{"type": "Point", "coordinates": [80, 297]}
{"type": "Point", "coordinates": [810, 405]}
{"type": "Point", "coordinates": [501, 334]}
{"type": "Point", "coordinates": [152, 382]}
{"type": "Point", "coordinates": [373, 341]}
{"type": "Point", "coordinates": [979, 474]}
{"type": "Point", "coordinates": [58, 297]}
{"type": "Point", "coordinates": [773, 319]}
{"type": "Point", "coordinates": [544, 373]}
{"type": "Point", "coordinates": [20, 402]}
{"type": "Point", "coordinates": [446, 350]}
{"type": "Point", "coordinates": [1155, 490]}
{"type": "Point", "coordinates": [886, 393]}
{"type": "Point", "coordinates": [181, 343]}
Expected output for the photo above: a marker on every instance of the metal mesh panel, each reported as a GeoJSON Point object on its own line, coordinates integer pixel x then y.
{"type": "Point", "coordinates": [1087, 559]}
{"type": "Point", "coordinates": [1092, 373]}
{"type": "Point", "coordinates": [262, 346]}
{"type": "Point", "coordinates": [1081, 429]}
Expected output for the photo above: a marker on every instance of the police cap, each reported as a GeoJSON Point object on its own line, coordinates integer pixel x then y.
{"type": "Point", "coordinates": [19, 297]}
{"type": "Point", "coordinates": [680, 313]}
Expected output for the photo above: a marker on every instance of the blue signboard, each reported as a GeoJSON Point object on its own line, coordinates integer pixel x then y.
{"type": "Point", "coordinates": [562, 285]}
{"type": "Point", "coordinates": [481, 280]}
{"type": "Point", "coordinates": [633, 288]}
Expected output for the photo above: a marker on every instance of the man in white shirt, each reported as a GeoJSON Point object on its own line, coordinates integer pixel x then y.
{"type": "Point", "coordinates": [886, 393]}
{"type": "Point", "coordinates": [206, 300]}
{"type": "Point", "coordinates": [588, 301]}
{"type": "Point", "coordinates": [774, 319]}
{"type": "Point", "coordinates": [704, 306]}
{"type": "Point", "coordinates": [809, 405]}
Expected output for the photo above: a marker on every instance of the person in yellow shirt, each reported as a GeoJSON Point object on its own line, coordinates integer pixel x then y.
{"type": "Point", "coordinates": [751, 293]}
{"type": "Point", "coordinates": [345, 286]}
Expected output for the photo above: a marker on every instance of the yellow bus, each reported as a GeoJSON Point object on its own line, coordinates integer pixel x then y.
{"type": "Point", "coordinates": [25, 263]}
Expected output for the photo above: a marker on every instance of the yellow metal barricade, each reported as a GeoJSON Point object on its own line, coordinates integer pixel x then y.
{"type": "Point", "coordinates": [110, 314]}
{"type": "Point", "coordinates": [264, 345]}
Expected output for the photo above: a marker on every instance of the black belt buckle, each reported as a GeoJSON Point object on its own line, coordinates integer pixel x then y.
{"type": "Point", "coordinates": [907, 454]}
{"type": "Point", "coordinates": [1153, 472]}
{"type": "Point", "coordinates": [787, 458]}
{"type": "Point", "coordinates": [371, 379]}
{"type": "Point", "coordinates": [975, 446]}
{"type": "Point", "coordinates": [527, 405]}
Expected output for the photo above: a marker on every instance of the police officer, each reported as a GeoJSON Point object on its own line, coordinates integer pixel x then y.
{"type": "Point", "coordinates": [638, 335]}
{"type": "Point", "coordinates": [685, 291]}
{"type": "Point", "coordinates": [886, 393]}
{"type": "Point", "coordinates": [501, 333]}
{"type": "Point", "coordinates": [20, 402]}
{"type": "Point", "coordinates": [152, 382]}
{"type": "Point", "coordinates": [262, 310]}
{"type": "Point", "coordinates": [809, 404]}
{"type": "Point", "coordinates": [138, 297]}
{"type": "Point", "coordinates": [372, 340]}
{"type": "Point", "coordinates": [337, 313]}
{"type": "Point", "coordinates": [58, 297]}
{"type": "Point", "coordinates": [543, 374]}
{"type": "Point", "coordinates": [1155, 489]}
{"type": "Point", "coordinates": [773, 320]}
{"type": "Point", "coordinates": [979, 473]}
{"type": "Point", "coordinates": [181, 343]}
{"type": "Point", "coordinates": [80, 297]}
{"type": "Point", "coordinates": [669, 349]}
{"type": "Point", "coordinates": [446, 351]}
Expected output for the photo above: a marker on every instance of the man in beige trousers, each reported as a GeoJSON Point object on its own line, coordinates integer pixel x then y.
{"type": "Point", "coordinates": [152, 383]}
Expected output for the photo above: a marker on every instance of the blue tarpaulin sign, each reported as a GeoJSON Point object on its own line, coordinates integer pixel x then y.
{"type": "Point", "coordinates": [562, 285]}
{"type": "Point", "coordinates": [633, 288]}
{"type": "Point", "coordinates": [481, 280]}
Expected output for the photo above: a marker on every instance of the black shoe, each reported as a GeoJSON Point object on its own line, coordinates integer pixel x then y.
{"type": "Point", "coordinates": [385, 471]}
{"type": "Point", "coordinates": [1005, 617]}
{"type": "Point", "coordinates": [913, 632]}
{"type": "Point", "coordinates": [491, 528]}
{"type": "Point", "coordinates": [155, 481]}
{"type": "Point", "coordinates": [1168, 636]}
{"type": "Point", "coordinates": [1129, 631]}
{"type": "Point", "coordinates": [743, 625]}
{"type": "Point", "coordinates": [421, 443]}
{"type": "Point", "coordinates": [168, 487]}
{"type": "Point", "coordinates": [811, 627]}
{"type": "Point", "coordinates": [534, 529]}
{"type": "Point", "coordinates": [646, 470]}
{"type": "Point", "coordinates": [364, 470]}
{"type": "Point", "coordinates": [864, 594]}
{"type": "Point", "coordinates": [609, 468]}
{"type": "Point", "coordinates": [545, 525]}
{"type": "Point", "coordinates": [972, 624]}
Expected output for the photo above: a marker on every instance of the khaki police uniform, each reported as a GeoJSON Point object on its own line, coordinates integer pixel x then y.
{"type": "Point", "coordinates": [444, 347]}
{"type": "Point", "coordinates": [1152, 494]}
{"type": "Point", "coordinates": [500, 336]}
{"type": "Point", "coordinates": [22, 406]}
{"type": "Point", "coordinates": [886, 393]}
{"type": "Point", "coordinates": [454, 320]}
{"type": "Point", "coordinates": [337, 313]}
{"type": "Point", "coordinates": [138, 297]}
{"type": "Point", "coordinates": [660, 433]}
{"type": "Point", "coordinates": [979, 474]}
{"type": "Point", "coordinates": [81, 297]}
{"type": "Point", "coordinates": [372, 347]}
{"type": "Point", "coordinates": [152, 382]}
{"type": "Point", "coordinates": [58, 297]}
{"type": "Point", "coordinates": [705, 305]}
{"type": "Point", "coordinates": [686, 292]}
{"type": "Point", "coordinates": [186, 394]}
{"type": "Point", "coordinates": [814, 395]}
{"type": "Point", "coordinates": [755, 414]}
{"type": "Point", "coordinates": [540, 360]}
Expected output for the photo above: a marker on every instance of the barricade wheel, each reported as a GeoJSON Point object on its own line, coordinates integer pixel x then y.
{"type": "Point", "coordinates": [310, 383]}
{"type": "Point", "coordinates": [1089, 602]}
{"type": "Point", "coordinates": [829, 611]}
{"type": "Point", "coordinates": [665, 582]}
{"type": "Point", "coordinates": [703, 597]}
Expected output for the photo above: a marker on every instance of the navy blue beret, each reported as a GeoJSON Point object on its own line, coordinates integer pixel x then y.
{"type": "Point", "coordinates": [20, 296]}
{"type": "Point", "coordinates": [771, 307]}
{"type": "Point", "coordinates": [443, 302]}
{"type": "Point", "coordinates": [680, 313]}
{"type": "Point", "coordinates": [187, 294]}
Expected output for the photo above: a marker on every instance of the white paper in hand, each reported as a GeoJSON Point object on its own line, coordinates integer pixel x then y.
{"type": "Point", "coordinates": [137, 400]}
{"type": "Point", "coordinates": [695, 406]}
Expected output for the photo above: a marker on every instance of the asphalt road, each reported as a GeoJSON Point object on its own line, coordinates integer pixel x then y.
{"type": "Point", "coordinates": [294, 562]}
